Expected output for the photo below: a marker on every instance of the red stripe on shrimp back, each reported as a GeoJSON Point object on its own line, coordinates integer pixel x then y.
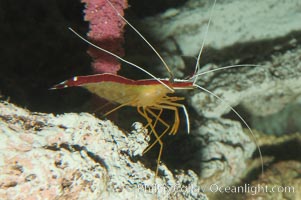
{"type": "Point", "coordinates": [107, 77]}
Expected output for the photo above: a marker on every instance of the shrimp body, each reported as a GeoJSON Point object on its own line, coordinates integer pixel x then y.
{"type": "Point", "coordinates": [118, 89]}
{"type": "Point", "coordinates": [149, 96]}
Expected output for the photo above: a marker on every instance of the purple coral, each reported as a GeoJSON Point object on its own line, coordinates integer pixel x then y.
{"type": "Point", "coordinates": [106, 31]}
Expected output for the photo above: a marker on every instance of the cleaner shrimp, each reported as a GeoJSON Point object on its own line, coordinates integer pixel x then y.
{"type": "Point", "coordinates": [151, 97]}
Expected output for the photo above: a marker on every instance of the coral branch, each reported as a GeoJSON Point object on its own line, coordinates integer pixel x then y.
{"type": "Point", "coordinates": [106, 30]}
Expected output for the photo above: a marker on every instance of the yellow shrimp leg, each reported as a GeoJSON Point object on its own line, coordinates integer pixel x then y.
{"type": "Point", "coordinates": [169, 101]}
{"type": "Point", "coordinates": [173, 106]}
{"type": "Point", "coordinates": [149, 120]}
{"type": "Point", "coordinates": [157, 118]}
{"type": "Point", "coordinates": [101, 107]}
{"type": "Point", "coordinates": [176, 124]}
{"type": "Point", "coordinates": [158, 138]}
{"type": "Point", "coordinates": [163, 122]}
{"type": "Point", "coordinates": [118, 107]}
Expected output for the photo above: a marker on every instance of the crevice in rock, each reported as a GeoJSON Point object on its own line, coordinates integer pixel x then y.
{"type": "Point", "coordinates": [78, 148]}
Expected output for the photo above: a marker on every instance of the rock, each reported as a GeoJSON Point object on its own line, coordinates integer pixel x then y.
{"type": "Point", "coordinates": [281, 181]}
{"type": "Point", "coordinates": [77, 156]}
{"type": "Point", "coordinates": [237, 27]}
{"type": "Point", "coordinates": [223, 152]}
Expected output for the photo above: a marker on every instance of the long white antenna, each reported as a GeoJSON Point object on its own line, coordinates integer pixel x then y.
{"type": "Point", "coordinates": [171, 76]}
{"type": "Point", "coordinates": [197, 66]}
{"type": "Point", "coordinates": [240, 117]}
{"type": "Point", "coordinates": [118, 57]}
{"type": "Point", "coordinates": [222, 68]}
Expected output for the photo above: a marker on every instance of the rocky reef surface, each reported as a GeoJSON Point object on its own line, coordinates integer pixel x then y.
{"type": "Point", "coordinates": [77, 156]}
{"type": "Point", "coordinates": [74, 155]}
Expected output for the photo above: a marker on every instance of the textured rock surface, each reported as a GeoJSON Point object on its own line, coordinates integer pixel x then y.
{"type": "Point", "coordinates": [76, 156]}
{"type": "Point", "coordinates": [238, 24]}
{"type": "Point", "coordinates": [262, 91]}
{"type": "Point", "coordinates": [282, 182]}
{"type": "Point", "coordinates": [223, 153]}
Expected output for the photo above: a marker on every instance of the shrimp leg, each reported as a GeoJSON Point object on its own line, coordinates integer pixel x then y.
{"type": "Point", "coordinates": [174, 108]}
{"type": "Point", "coordinates": [149, 120]}
{"type": "Point", "coordinates": [162, 121]}
{"type": "Point", "coordinates": [157, 118]}
{"type": "Point", "coordinates": [118, 107]}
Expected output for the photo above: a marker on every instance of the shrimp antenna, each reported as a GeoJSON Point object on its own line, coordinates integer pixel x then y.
{"type": "Point", "coordinates": [171, 76]}
{"type": "Point", "coordinates": [118, 57]}
{"type": "Point", "coordinates": [197, 66]}
{"type": "Point", "coordinates": [240, 117]}
{"type": "Point", "coordinates": [222, 68]}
